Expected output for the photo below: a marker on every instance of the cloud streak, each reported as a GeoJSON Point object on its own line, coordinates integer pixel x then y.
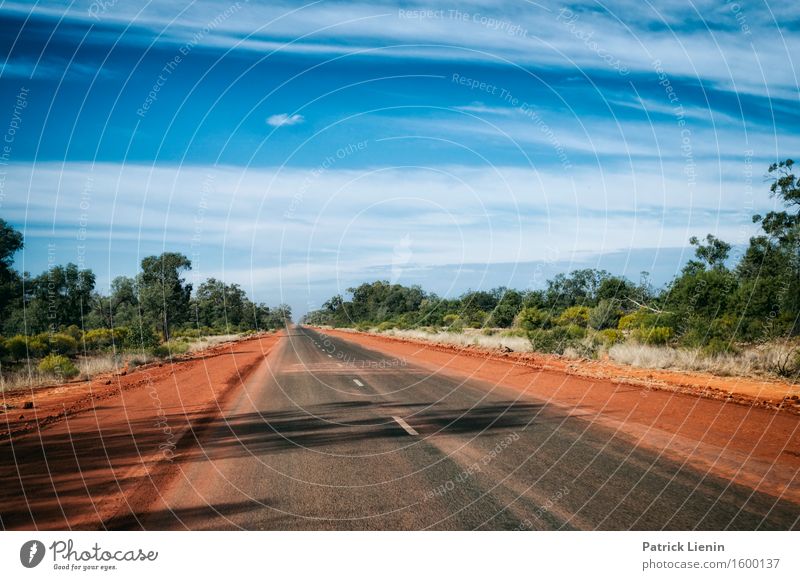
{"type": "Point", "coordinates": [284, 120]}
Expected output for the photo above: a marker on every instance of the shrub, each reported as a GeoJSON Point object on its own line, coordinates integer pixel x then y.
{"type": "Point", "coordinates": [554, 340]}
{"type": "Point", "coordinates": [453, 323]}
{"type": "Point", "coordinates": [187, 333]}
{"type": "Point", "coordinates": [17, 347]}
{"type": "Point", "coordinates": [577, 315]}
{"type": "Point", "coordinates": [63, 344]}
{"type": "Point", "coordinates": [169, 349]}
{"type": "Point", "coordinates": [73, 331]}
{"type": "Point", "coordinates": [610, 336]}
{"type": "Point", "coordinates": [3, 350]}
{"type": "Point", "coordinates": [39, 345]}
{"type": "Point", "coordinates": [654, 335]}
{"type": "Point", "coordinates": [576, 332]}
{"type": "Point", "coordinates": [634, 320]}
{"type": "Point", "coordinates": [384, 326]}
{"type": "Point", "coordinates": [143, 337]}
{"type": "Point", "coordinates": [98, 338]}
{"type": "Point", "coordinates": [604, 315]}
{"type": "Point", "coordinates": [59, 365]}
{"type": "Point", "coordinates": [532, 319]}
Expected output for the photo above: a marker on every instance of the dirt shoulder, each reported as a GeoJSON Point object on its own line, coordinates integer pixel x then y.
{"type": "Point", "coordinates": [692, 420]}
{"type": "Point", "coordinates": [767, 393]}
{"type": "Point", "coordinates": [84, 451]}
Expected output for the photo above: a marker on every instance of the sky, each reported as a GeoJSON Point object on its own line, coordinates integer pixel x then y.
{"type": "Point", "coordinates": [299, 149]}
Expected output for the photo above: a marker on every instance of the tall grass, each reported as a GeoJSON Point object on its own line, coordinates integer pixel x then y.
{"type": "Point", "coordinates": [468, 337]}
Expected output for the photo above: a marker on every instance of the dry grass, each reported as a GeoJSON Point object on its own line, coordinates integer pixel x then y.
{"type": "Point", "coordinates": [97, 364]}
{"type": "Point", "coordinates": [768, 360]}
{"type": "Point", "coordinates": [467, 337]}
{"type": "Point", "coordinates": [209, 341]}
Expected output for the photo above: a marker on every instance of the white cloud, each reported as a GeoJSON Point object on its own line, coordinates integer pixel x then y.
{"type": "Point", "coordinates": [284, 120]}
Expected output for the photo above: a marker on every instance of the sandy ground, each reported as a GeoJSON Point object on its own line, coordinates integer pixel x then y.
{"type": "Point", "coordinates": [84, 450]}
{"type": "Point", "coordinates": [740, 430]}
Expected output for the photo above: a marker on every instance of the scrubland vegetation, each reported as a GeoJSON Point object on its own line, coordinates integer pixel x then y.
{"type": "Point", "coordinates": [723, 313]}
{"type": "Point", "coordinates": [56, 326]}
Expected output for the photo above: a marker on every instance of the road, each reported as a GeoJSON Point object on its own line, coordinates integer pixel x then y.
{"type": "Point", "coordinates": [330, 435]}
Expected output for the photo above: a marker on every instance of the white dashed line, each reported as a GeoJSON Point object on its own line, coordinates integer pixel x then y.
{"type": "Point", "coordinates": [408, 428]}
{"type": "Point", "coordinates": [359, 383]}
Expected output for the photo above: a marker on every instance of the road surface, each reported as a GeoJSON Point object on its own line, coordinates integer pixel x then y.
{"type": "Point", "coordinates": [330, 435]}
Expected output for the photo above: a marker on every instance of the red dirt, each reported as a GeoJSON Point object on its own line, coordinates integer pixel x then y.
{"type": "Point", "coordinates": [85, 450]}
{"type": "Point", "coordinates": [754, 442]}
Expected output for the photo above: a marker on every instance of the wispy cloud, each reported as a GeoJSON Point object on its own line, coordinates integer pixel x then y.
{"type": "Point", "coordinates": [284, 120]}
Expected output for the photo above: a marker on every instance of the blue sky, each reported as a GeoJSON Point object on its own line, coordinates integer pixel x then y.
{"type": "Point", "coordinates": [298, 149]}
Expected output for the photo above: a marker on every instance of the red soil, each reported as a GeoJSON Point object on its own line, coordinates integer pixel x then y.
{"type": "Point", "coordinates": [105, 439]}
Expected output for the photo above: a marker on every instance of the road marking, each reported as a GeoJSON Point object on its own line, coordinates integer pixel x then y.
{"type": "Point", "coordinates": [359, 383]}
{"type": "Point", "coordinates": [409, 429]}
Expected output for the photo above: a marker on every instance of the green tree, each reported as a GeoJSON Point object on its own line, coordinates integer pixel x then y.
{"type": "Point", "coordinates": [10, 283]}
{"type": "Point", "coordinates": [163, 293]}
{"type": "Point", "coordinates": [60, 297]}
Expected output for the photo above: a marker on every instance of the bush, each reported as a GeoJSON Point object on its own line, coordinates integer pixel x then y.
{"type": "Point", "coordinates": [384, 326]}
{"type": "Point", "coordinates": [17, 347]}
{"type": "Point", "coordinates": [186, 333]}
{"type": "Point", "coordinates": [610, 336]}
{"type": "Point", "coordinates": [453, 323]}
{"type": "Point", "coordinates": [655, 335]}
{"type": "Point", "coordinates": [554, 340]}
{"type": "Point", "coordinates": [59, 365]}
{"type": "Point", "coordinates": [3, 350]}
{"type": "Point", "coordinates": [577, 315]}
{"type": "Point", "coordinates": [98, 339]}
{"type": "Point", "coordinates": [576, 332]}
{"type": "Point", "coordinates": [604, 315]}
{"type": "Point", "coordinates": [141, 338]}
{"type": "Point", "coordinates": [63, 344]}
{"type": "Point", "coordinates": [73, 331]}
{"type": "Point", "coordinates": [169, 349]}
{"type": "Point", "coordinates": [39, 345]}
{"type": "Point", "coordinates": [532, 319]}
{"type": "Point", "coordinates": [635, 320]}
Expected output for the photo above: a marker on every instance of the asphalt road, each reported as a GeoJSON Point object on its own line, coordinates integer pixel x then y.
{"type": "Point", "coordinates": [330, 435]}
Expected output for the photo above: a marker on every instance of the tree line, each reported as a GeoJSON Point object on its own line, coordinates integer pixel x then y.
{"type": "Point", "coordinates": [715, 302]}
{"type": "Point", "coordinates": [61, 311]}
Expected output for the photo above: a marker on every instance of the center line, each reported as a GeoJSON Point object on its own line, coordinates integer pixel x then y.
{"type": "Point", "coordinates": [359, 383]}
{"type": "Point", "coordinates": [409, 429]}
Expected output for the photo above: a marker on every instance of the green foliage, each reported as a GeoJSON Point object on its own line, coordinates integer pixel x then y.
{"type": "Point", "coordinates": [554, 340]}
{"type": "Point", "coordinates": [164, 294]}
{"type": "Point", "coordinates": [170, 349]}
{"type": "Point", "coordinates": [532, 319]}
{"type": "Point", "coordinates": [610, 336]}
{"type": "Point", "coordinates": [58, 365]}
{"type": "Point", "coordinates": [604, 315]}
{"type": "Point", "coordinates": [574, 315]}
{"type": "Point", "coordinates": [63, 344]}
{"type": "Point", "coordinates": [17, 347]}
{"type": "Point", "coordinates": [656, 335]}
